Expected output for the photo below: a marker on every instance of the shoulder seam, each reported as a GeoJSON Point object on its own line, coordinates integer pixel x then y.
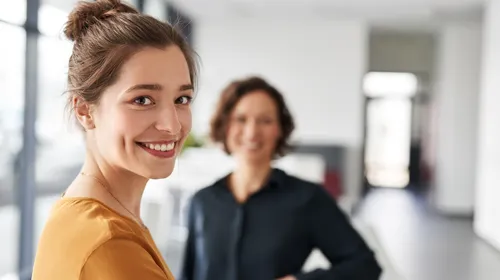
{"type": "Point", "coordinates": [97, 246]}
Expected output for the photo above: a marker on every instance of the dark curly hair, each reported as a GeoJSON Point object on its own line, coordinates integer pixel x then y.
{"type": "Point", "coordinates": [233, 93]}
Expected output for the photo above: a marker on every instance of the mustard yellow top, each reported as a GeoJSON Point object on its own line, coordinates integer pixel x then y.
{"type": "Point", "coordinates": [86, 240]}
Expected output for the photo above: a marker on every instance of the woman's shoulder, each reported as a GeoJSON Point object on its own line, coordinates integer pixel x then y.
{"type": "Point", "coordinates": [295, 183]}
{"type": "Point", "coordinates": [75, 228]}
{"type": "Point", "coordinates": [84, 224]}
{"type": "Point", "coordinates": [89, 215]}
{"type": "Point", "coordinates": [217, 186]}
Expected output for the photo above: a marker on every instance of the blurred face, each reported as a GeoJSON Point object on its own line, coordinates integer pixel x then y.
{"type": "Point", "coordinates": [254, 128]}
{"type": "Point", "coordinates": [142, 121]}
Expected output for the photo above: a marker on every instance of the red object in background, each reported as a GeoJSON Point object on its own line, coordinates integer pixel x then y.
{"type": "Point", "coordinates": [333, 183]}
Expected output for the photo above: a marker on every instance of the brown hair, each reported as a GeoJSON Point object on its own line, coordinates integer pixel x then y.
{"type": "Point", "coordinates": [233, 93]}
{"type": "Point", "coordinates": [106, 33]}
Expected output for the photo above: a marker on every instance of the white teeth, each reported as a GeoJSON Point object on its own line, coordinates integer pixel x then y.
{"type": "Point", "coordinates": [161, 147]}
{"type": "Point", "coordinates": [169, 146]}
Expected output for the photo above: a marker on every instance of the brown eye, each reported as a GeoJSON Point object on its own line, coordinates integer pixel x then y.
{"type": "Point", "coordinates": [184, 100]}
{"type": "Point", "coordinates": [143, 100]}
{"type": "Point", "coordinates": [240, 119]}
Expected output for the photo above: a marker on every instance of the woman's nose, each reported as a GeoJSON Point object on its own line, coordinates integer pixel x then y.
{"type": "Point", "coordinates": [168, 120]}
{"type": "Point", "coordinates": [251, 129]}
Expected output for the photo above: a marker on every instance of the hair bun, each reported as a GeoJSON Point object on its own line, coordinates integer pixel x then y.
{"type": "Point", "coordinates": [87, 13]}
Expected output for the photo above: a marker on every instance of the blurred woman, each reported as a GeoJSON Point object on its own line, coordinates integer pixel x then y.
{"type": "Point", "coordinates": [130, 83]}
{"type": "Point", "coordinates": [259, 222]}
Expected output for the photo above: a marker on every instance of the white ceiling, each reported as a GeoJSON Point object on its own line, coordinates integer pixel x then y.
{"type": "Point", "coordinates": [377, 11]}
{"type": "Point", "coordinates": [404, 14]}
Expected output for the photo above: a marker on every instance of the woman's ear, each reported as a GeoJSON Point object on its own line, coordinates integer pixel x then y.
{"type": "Point", "coordinates": [82, 113]}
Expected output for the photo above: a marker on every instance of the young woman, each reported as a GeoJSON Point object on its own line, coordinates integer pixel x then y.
{"type": "Point", "coordinates": [131, 80]}
{"type": "Point", "coordinates": [259, 222]}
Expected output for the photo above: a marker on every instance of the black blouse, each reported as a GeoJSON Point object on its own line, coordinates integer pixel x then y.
{"type": "Point", "coordinates": [272, 234]}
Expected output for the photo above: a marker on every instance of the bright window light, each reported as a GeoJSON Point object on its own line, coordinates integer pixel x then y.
{"type": "Point", "coordinates": [13, 11]}
{"type": "Point", "coordinates": [12, 76]}
{"type": "Point", "coordinates": [388, 139]}
{"type": "Point", "coordinates": [156, 9]}
{"type": "Point", "coordinates": [51, 20]}
{"type": "Point", "coordinates": [132, 2]}
{"type": "Point", "coordinates": [387, 84]}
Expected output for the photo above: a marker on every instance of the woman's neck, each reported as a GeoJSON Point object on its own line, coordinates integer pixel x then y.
{"type": "Point", "coordinates": [116, 187]}
{"type": "Point", "coordinates": [247, 179]}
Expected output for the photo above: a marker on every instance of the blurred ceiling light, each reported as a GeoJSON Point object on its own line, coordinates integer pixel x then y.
{"type": "Point", "coordinates": [51, 20]}
{"type": "Point", "coordinates": [13, 11]}
{"type": "Point", "coordinates": [388, 84]}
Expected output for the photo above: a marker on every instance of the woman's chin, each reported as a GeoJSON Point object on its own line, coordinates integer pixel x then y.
{"type": "Point", "coordinates": [161, 175]}
{"type": "Point", "coordinates": [158, 173]}
{"type": "Point", "coordinates": [253, 158]}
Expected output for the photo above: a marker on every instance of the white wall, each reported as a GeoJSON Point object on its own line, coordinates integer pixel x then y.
{"type": "Point", "coordinates": [487, 208]}
{"type": "Point", "coordinates": [457, 94]}
{"type": "Point", "coordinates": [318, 65]}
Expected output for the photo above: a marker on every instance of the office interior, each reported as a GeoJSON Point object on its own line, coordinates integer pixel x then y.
{"type": "Point", "coordinates": [395, 103]}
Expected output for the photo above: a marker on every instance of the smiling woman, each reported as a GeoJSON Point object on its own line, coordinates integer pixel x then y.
{"type": "Point", "coordinates": [258, 222]}
{"type": "Point", "coordinates": [131, 80]}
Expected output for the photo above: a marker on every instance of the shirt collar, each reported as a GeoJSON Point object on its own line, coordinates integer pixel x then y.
{"type": "Point", "coordinates": [276, 179]}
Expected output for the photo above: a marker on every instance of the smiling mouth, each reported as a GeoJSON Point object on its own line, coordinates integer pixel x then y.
{"type": "Point", "coordinates": [158, 147]}
{"type": "Point", "coordinates": [161, 150]}
{"type": "Point", "coordinates": [251, 146]}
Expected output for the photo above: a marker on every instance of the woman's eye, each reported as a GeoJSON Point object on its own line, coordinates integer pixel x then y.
{"type": "Point", "coordinates": [143, 100]}
{"type": "Point", "coordinates": [184, 100]}
{"type": "Point", "coordinates": [266, 121]}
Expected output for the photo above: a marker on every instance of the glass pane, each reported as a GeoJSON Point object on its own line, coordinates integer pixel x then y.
{"type": "Point", "coordinates": [66, 5]}
{"type": "Point", "coordinates": [134, 3]}
{"type": "Point", "coordinates": [11, 123]}
{"type": "Point", "coordinates": [53, 14]}
{"type": "Point", "coordinates": [13, 11]}
{"type": "Point", "coordinates": [51, 20]}
{"type": "Point", "coordinates": [156, 9]}
{"type": "Point", "coordinates": [57, 137]}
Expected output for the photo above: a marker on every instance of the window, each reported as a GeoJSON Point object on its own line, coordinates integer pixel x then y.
{"type": "Point", "coordinates": [13, 11]}
{"type": "Point", "coordinates": [134, 3]}
{"type": "Point", "coordinates": [51, 20]}
{"type": "Point", "coordinates": [11, 123]}
{"type": "Point", "coordinates": [57, 138]}
{"type": "Point", "coordinates": [156, 9]}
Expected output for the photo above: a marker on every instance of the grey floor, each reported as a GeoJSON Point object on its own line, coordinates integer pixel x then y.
{"type": "Point", "coordinates": [425, 245]}
{"type": "Point", "coordinates": [422, 244]}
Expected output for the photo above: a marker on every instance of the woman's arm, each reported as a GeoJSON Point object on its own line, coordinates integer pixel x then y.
{"type": "Point", "coordinates": [333, 234]}
{"type": "Point", "coordinates": [122, 259]}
